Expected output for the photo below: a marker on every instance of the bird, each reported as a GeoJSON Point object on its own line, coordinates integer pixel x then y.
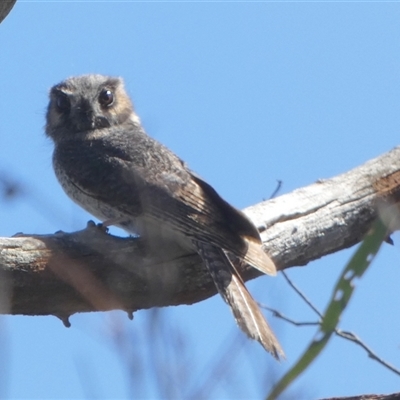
{"type": "Point", "coordinates": [107, 163]}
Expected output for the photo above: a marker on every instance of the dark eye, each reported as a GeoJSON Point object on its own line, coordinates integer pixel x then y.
{"type": "Point", "coordinates": [106, 98]}
{"type": "Point", "coordinates": [62, 103]}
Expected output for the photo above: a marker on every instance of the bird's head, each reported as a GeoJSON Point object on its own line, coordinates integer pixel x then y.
{"type": "Point", "coordinates": [82, 104]}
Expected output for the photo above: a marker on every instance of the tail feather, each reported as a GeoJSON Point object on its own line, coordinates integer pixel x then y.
{"type": "Point", "coordinates": [233, 290]}
{"type": "Point", "coordinates": [257, 258]}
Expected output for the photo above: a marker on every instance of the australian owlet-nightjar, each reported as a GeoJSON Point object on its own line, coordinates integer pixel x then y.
{"type": "Point", "coordinates": [107, 163]}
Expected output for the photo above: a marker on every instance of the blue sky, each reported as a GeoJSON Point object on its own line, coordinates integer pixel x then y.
{"type": "Point", "coordinates": [247, 93]}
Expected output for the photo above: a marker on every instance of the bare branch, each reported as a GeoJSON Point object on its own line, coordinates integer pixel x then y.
{"type": "Point", "coordinates": [5, 8]}
{"type": "Point", "coordinates": [302, 295]}
{"type": "Point", "coordinates": [392, 396]}
{"type": "Point", "coordinates": [90, 270]}
{"type": "Point", "coordinates": [355, 339]}
{"type": "Point", "coordinates": [343, 334]}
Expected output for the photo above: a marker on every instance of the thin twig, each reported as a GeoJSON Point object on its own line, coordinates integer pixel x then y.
{"type": "Point", "coordinates": [278, 314]}
{"type": "Point", "coordinates": [301, 294]}
{"type": "Point", "coordinates": [343, 334]}
{"type": "Point", "coordinates": [355, 339]}
{"type": "Point", "coordinates": [277, 189]}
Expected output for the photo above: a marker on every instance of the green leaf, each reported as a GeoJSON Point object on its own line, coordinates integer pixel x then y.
{"type": "Point", "coordinates": [341, 295]}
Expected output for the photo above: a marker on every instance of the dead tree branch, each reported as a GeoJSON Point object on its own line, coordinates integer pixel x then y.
{"type": "Point", "coordinates": [5, 8]}
{"type": "Point", "coordinates": [89, 270]}
{"type": "Point", "coordinates": [393, 396]}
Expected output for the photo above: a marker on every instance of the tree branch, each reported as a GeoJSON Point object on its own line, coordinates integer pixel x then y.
{"type": "Point", "coordinates": [5, 8]}
{"type": "Point", "coordinates": [392, 396]}
{"type": "Point", "coordinates": [89, 270]}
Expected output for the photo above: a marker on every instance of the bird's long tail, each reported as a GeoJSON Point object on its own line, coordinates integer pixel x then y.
{"type": "Point", "coordinates": [233, 290]}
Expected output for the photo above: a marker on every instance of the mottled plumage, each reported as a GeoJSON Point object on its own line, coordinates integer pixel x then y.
{"type": "Point", "coordinates": [106, 162]}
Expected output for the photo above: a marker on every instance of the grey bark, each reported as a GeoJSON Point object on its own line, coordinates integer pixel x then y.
{"type": "Point", "coordinates": [90, 270]}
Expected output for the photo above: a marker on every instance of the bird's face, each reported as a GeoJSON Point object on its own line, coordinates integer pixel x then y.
{"type": "Point", "coordinates": [82, 104]}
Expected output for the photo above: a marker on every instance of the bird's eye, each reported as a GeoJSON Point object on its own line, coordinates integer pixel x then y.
{"type": "Point", "coordinates": [106, 98]}
{"type": "Point", "coordinates": [62, 103]}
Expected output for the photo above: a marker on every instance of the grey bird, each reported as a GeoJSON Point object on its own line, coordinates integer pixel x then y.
{"type": "Point", "coordinates": [106, 163]}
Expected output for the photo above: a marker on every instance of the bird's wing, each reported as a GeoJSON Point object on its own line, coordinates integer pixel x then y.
{"type": "Point", "coordinates": [194, 208]}
{"type": "Point", "coordinates": [241, 224]}
{"type": "Point", "coordinates": [135, 181]}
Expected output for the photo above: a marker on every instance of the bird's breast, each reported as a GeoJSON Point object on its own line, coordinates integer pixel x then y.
{"type": "Point", "coordinates": [89, 201]}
